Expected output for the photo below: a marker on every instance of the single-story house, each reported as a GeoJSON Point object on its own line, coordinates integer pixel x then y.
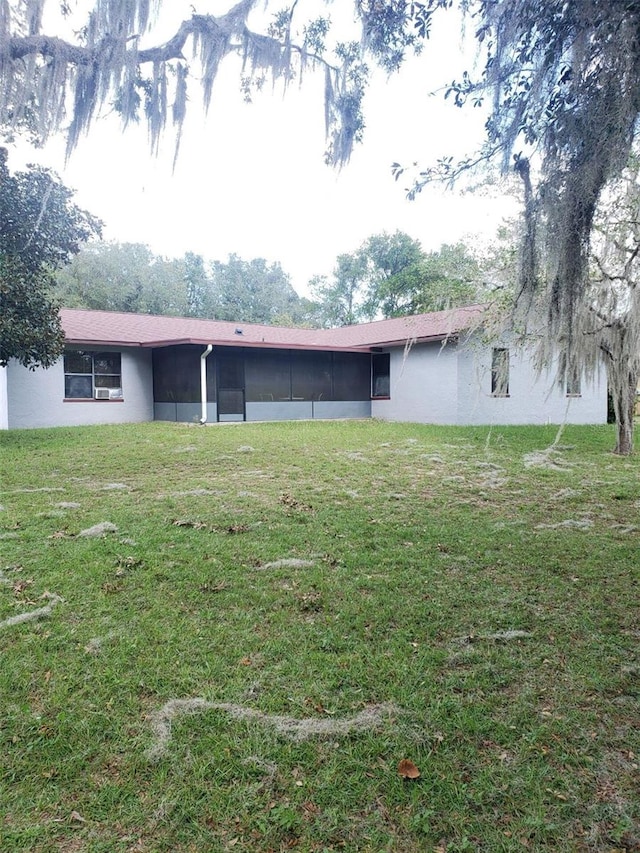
{"type": "Point", "coordinates": [430, 368]}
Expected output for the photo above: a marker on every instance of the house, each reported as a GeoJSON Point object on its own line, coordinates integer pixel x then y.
{"type": "Point", "coordinates": [429, 368]}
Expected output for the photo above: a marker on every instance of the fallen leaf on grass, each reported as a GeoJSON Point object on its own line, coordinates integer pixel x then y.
{"type": "Point", "coordinates": [289, 501]}
{"type": "Point", "coordinates": [237, 528]}
{"type": "Point", "coordinates": [556, 794]}
{"type": "Point", "coordinates": [77, 817]}
{"type": "Point", "coordinates": [407, 769]}
{"type": "Point", "coordinates": [310, 810]}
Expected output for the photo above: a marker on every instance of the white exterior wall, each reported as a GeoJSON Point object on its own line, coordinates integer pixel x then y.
{"type": "Point", "coordinates": [451, 384]}
{"type": "Point", "coordinates": [424, 385]}
{"type": "Point", "coordinates": [36, 397]}
{"type": "Point", "coordinates": [4, 403]}
{"type": "Point", "coordinates": [533, 398]}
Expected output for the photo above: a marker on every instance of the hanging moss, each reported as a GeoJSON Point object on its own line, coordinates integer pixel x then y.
{"type": "Point", "coordinates": [41, 76]}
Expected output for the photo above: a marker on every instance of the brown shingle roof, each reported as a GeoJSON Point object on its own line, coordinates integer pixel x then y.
{"type": "Point", "coordinates": [107, 328]}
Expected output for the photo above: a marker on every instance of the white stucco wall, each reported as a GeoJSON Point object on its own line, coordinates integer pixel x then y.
{"type": "Point", "coordinates": [424, 385]}
{"type": "Point", "coordinates": [4, 411]}
{"type": "Point", "coordinates": [451, 384]}
{"type": "Point", "coordinates": [36, 397]}
{"type": "Point", "coordinates": [533, 398]}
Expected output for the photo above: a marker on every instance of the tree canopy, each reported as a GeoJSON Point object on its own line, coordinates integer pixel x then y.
{"type": "Point", "coordinates": [123, 277]}
{"type": "Point", "coordinates": [562, 77]}
{"type": "Point", "coordinates": [40, 229]}
{"type": "Point", "coordinates": [111, 60]}
{"type": "Point", "coordinates": [129, 277]}
{"type": "Point", "coordinates": [252, 292]}
{"type": "Point", "coordinates": [391, 275]}
{"type": "Point", "coordinates": [563, 82]}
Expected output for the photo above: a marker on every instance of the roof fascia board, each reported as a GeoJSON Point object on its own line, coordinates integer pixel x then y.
{"type": "Point", "coordinates": [254, 345]}
{"type": "Point", "coordinates": [95, 342]}
{"type": "Point", "coordinates": [403, 342]}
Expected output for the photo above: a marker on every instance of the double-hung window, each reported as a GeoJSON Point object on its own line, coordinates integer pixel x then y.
{"type": "Point", "coordinates": [92, 375]}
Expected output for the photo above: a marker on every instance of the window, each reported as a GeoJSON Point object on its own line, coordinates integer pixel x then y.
{"type": "Point", "coordinates": [92, 375]}
{"type": "Point", "coordinates": [574, 388]}
{"type": "Point", "coordinates": [500, 372]}
{"type": "Point", "coordinates": [380, 375]}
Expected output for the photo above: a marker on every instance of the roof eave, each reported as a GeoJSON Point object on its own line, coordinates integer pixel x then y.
{"type": "Point", "coordinates": [403, 342]}
{"type": "Point", "coordinates": [94, 342]}
{"type": "Point", "coordinates": [251, 344]}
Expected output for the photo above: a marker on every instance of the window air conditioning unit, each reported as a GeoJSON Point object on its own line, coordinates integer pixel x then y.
{"type": "Point", "coordinates": [102, 394]}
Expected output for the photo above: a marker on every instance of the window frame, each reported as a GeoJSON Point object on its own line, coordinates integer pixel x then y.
{"type": "Point", "coordinates": [573, 383]}
{"type": "Point", "coordinates": [377, 374]}
{"type": "Point", "coordinates": [99, 378]}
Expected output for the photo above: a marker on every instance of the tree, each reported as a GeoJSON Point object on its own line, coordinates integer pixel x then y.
{"type": "Point", "coordinates": [564, 83]}
{"type": "Point", "coordinates": [610, 319]}
{"type": "Point", "coordinates": [390, 275]}
{"type": "Point", "coordinates": [123, 277]}
{"type": "Point", "coordinates": [341, 300]}
{"type": "Point", "coordinates": [392, 263]}
{"type": "Point", "coordinates": [197, 282]}
{"type": "Point", "coordinates": [404, 279]}
{"type": "Point", "coordinates": [129, 277]}
{"type": "Point", "coordinates": [563, 76]}
{"type": "Point", "coordinates": [250, 292]}
{"type": "Point", "coordinates": [40, 230]}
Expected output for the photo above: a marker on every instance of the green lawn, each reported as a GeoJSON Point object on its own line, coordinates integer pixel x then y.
{"type": "Point", "coordinates": [449, 596]}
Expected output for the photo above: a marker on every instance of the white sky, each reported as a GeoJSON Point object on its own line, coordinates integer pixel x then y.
{"type": "Point", "coordinates": [251, 179]}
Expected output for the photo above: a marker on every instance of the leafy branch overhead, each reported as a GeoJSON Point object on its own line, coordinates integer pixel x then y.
{"type": "Point", "coordinates": [108, 63]}
{"type": "Point", "coordinates": [562, 81]}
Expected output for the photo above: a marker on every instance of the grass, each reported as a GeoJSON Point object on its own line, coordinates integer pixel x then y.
{"type": "Point", "coordinates": [425, 545]}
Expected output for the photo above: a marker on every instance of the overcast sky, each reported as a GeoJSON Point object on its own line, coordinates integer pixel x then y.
{"type": "Point", "coordinates": [251, 179]}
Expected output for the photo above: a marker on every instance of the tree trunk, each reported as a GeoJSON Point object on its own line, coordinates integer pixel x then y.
{"type": "Point", "coordinates": [624, 399]}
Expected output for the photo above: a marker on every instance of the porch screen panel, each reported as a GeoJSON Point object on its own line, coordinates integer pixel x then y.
{"type": "Point", "coordinates": [176, 374]}
{"type": "Point", "coordinates": [231, 371]}
{"type": "Point", "coordinates": [267, 376]}
{"type": "Point", "coordinates": [231, 401]}
{"type": "Point", "coordinates": [351, 376]}
{"type": "Point", "coordinates": [311, 375]}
